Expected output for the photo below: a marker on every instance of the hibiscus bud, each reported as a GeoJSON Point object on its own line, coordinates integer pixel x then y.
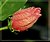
{"type": "Point", "coordinates": [25, 18]}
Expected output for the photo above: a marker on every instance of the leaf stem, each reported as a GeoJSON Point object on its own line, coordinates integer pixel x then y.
{"type": "Point", "coordinates": [3, 4]}
{"type": "Point", "coordinates": [3, 28]}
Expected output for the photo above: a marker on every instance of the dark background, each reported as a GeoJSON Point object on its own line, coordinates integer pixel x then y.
{"type": "Point", "coordinates": [37, 31]}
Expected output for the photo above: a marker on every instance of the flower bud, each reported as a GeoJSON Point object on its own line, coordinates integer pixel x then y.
{"type": "Point", "coordinates": [25, 18]}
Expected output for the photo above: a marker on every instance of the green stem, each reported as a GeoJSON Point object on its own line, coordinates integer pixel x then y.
{"type": "Point", "coordinates": [3, 28]}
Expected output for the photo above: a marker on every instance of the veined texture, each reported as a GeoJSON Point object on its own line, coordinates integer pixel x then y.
{"type": "Point", "coordinates": [25, 18]}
